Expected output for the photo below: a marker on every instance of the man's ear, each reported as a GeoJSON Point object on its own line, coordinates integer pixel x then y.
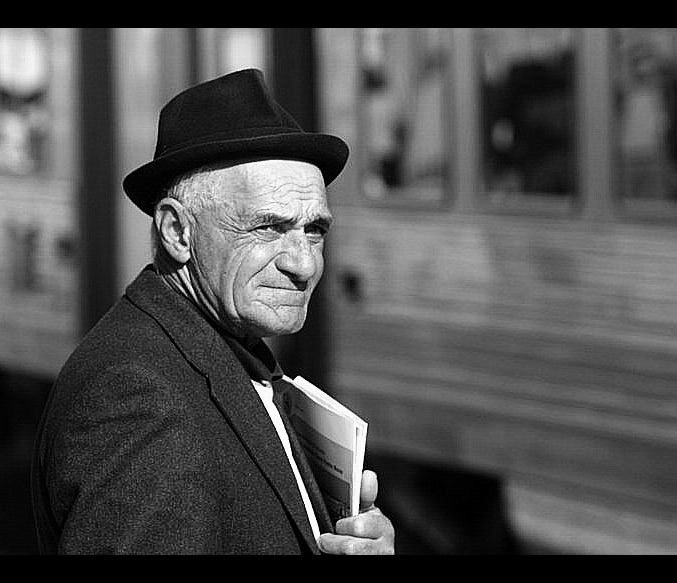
{"type": "Point", "coordinates": [171, 221]}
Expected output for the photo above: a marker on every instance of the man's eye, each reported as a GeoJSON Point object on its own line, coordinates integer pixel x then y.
{"type": "Point", "coordinates": [316, 232]}
{"type": "Point", "coordinates": [270, 228]}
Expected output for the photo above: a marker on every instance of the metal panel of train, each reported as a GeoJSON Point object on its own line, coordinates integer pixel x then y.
{"type": "Point", "coordinates": [503, 271]}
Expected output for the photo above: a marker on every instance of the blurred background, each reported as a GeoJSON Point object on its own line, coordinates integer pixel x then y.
{"type": "Point", "coordinates": [499, 301]}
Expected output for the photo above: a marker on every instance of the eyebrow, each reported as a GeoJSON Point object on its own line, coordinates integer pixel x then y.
{"type": "Point", "coordinates": [323, 220]}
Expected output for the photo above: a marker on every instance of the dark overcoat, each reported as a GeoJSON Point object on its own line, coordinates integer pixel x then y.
{"type": "Point", "coordinates": [154, 440]}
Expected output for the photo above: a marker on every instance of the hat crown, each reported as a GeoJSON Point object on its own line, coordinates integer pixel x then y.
{"type": "Point", "coordinates": [231, 118]}
{"type": "Point", "coordinates": [237, 105]}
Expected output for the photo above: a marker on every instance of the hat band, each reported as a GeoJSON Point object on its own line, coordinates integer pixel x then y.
{"type": "Point", "coordinates": [243, 134]}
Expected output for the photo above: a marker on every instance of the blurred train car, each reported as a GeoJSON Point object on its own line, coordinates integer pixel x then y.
{"type": "Point", "coordinates": [504, 267]}
{"type": "Point", "coordinates": [499, 296]}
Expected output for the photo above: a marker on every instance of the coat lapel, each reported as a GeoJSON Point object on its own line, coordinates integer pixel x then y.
{"type": "Point", "coordinates": [229, 385]}
{"type": "Point", "coordinates": [248, 418]}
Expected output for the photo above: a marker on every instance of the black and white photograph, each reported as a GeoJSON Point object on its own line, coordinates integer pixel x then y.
{"type": "Point", "coordinates": [338, 291]}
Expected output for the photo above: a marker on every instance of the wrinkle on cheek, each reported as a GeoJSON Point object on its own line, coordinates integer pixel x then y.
{"type": "Point", "coordinates": [230, 227]}
{"type": "Point", "coordinates": [263, 309]}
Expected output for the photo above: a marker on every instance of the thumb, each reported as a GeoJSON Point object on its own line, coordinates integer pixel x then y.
{"type": "Point", "coordinates": [368, 490]}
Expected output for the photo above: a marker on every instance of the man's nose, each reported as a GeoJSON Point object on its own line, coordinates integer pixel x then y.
{"type": "Point", "coordinates": [298, 258]}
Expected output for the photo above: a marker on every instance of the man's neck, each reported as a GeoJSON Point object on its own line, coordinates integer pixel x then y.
{"type": "Point", "coordinates": [178, 278]}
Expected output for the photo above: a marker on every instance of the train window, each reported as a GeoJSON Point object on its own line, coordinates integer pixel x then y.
{"type": "Point", "coordinates": [241, 48]}
{"type": "Point", "coordinates": [224, 50]}
{"type": "Point", "coordinates": [403, 109]}
{"type": "Point", "coordinates": [528, 116]}
{"type": "Point", "coordinates": [24, 80]}
{"type": "Point", "coordinates": [646, 115]}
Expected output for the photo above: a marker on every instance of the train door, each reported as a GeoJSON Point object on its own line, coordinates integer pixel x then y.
{"type": "Point", "coordinates": [39, 189]}
{"type": "Point", "coordinates": [500, 258]}
{"type": "Point", "coordinates": [151, 65]}
{"type": "Point", "coordinates": [40, 270]}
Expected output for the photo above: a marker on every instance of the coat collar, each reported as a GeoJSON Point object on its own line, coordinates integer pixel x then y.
{"type": "Point", "coordinates": [202, 345]}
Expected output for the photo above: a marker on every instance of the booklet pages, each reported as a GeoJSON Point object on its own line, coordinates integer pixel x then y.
{"type": "Point", "coordinates": [334, 440]}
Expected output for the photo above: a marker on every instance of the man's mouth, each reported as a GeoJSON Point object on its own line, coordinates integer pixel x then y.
{"type": "Point", "coordinates": [300, 288]}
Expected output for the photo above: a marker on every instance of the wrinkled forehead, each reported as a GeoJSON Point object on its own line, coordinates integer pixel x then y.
{"type": "Point", "coordinates": [275, 173]}
{"type": "Point", "coordinates": [272, 183]}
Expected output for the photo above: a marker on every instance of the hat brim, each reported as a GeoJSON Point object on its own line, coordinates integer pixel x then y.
{"type": "Point", "coordinates": [144, 185]}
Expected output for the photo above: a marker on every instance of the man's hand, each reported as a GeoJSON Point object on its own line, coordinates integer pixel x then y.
{"type": "Point", "coordinates": [368, 533]}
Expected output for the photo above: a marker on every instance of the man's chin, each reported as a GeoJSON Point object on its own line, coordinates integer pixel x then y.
{"type": "Point", "coordinates": [281, 326]}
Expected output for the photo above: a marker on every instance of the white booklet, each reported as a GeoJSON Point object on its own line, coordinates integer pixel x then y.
{"type": "Point", "coordinates": [334, 440]}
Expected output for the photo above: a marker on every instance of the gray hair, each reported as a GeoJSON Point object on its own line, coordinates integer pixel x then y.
{"type": "Point", "coordinates": [196, 190]}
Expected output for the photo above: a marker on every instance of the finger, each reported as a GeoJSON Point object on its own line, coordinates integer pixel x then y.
{"type": "Point", "coordinates": [367, 533]}
{"type": "Point", "coordinates": [368, 490]}
{"type": "Point", "coordinates": [334, 544]}
{"type": "Point", "coordinates": [368, 524]}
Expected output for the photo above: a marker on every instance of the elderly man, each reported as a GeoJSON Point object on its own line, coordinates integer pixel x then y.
{"type": "Point", "coordinates": [161, 434]}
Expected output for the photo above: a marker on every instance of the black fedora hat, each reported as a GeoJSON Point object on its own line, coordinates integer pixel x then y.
{"type": "Point", "coordinates": [230, 118]}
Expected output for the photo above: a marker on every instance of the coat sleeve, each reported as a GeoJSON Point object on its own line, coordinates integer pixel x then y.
{"type": "Point", "coordinates": [129, 468]}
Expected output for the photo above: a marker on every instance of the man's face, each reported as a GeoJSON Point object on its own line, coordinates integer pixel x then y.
{"type": "Point", "coordinates": [258, 254]}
